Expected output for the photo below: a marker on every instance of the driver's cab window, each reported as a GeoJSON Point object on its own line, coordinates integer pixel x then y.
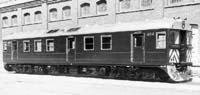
{"type": "Point", "coordinates": [189, 38]}
{"type": "Point", "coordinates": [175, 37]}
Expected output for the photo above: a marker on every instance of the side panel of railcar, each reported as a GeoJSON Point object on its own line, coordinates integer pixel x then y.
{"type": "Point", "coordinates": [121, 53]}
{"type": "Point", "coordinates": [56, 57]}
{"type": "Point", "coordinates": [156, 47]}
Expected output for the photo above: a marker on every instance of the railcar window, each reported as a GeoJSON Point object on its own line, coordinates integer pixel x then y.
{"type": "Point", "coordinates": [160, 40]}
{"type": "Point", "coordinates": [71, 43]}
{"type": "Point", "coordinates": [89, 43]}
{"type": "Point", "coordinates": [26, 45]}
{"type": "Point", "coordinates": [49, 45]}
{"type": "Point", "coordinates": [106, 42]}
{"type": "Point", "coordinates": [138, 40]}
{"type": "Point", "coordinates": [5, 46]}
{"type": "Point", "coordinates": [37, 45]}
{"type": "Point", "coordinates": [14, 45]}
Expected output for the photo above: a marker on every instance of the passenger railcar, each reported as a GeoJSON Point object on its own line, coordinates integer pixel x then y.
{"type": "Point", "coordinates": [149, 50]}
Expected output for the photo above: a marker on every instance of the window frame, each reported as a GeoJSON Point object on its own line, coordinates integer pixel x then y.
{"type": "Point", "coordinates": [52, 12]}
{"type": "Point", "coordinates": [29, 45]}
{"type": "Point", "coordinates": [5, 21]}
{"type": "Point", "coordinates": [36, 45]}
{"type": "Point", "coordinates": [146, 6]}
{"type": "Point", "coordinates": [99, 6]}
{"type": "Point", "coordinates": [85, 37]}
{"type": "Point", "coordinates": [38, 16]}
{"type": "Point", "coordinates": [27, 18]}
{"type": "Point", "coordinates": [82, 10]}
{"type": "Point", "coordinates": [142, 40]}
{"type": "Point", "coordinates": [102, 36]}
{"type": "Point", "coordinates": [68, 9]}
{"type": "Point", "coordinates": [175, 1]}
{"type": "Point", "coordinates": [48, 45]}
{"type": "Point", "coordinates": [121, 4]}
{"type": "Point", "coordinates": [14, 20]}
{"type": "Point", "coordinates": [157, 41]}
{"type": "Point", "coordinates": [5, 46]}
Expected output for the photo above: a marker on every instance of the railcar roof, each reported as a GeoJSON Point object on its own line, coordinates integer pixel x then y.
{"type": "Point", "coordinates": [106, 28]}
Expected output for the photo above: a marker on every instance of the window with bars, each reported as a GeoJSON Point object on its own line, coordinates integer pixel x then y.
{"type": "Point", "coordinates": [14, 20]}
{"type": "Point", "coordinates": [37, 45]}
{"type": "Point", "coordinates": [124, 4]}
{"type": "Point", "coordinates": [66, 12]}
{"type": "Point", "coordinates": [27, 18]}
{"type": "Point", "coordinates": [49, 45]}
{"type": "Point", "coordinates": [5, 21]}
{"type": "Point", "coordinates": [53, 14]}
{"type": "Point", "coordinates": [89, 43]}
{"type": "Point", "coordinates": [85, 9]}
{"type": "Point", "coordinates": [26, 45]}
{"type": "Point", "coordinates": [38, 16]}
{"type": "Point", "coordinates": [146, 3]}
{"type": "Point", "coordinates": [175, 1]}
{"type": "Point", "coordinates": [101, 6]}
{"type": "Point", "coordinates": [106, 42]}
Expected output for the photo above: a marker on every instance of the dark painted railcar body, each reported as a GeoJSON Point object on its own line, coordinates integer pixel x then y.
{"type": "Point", "coordinates": [142, 51]}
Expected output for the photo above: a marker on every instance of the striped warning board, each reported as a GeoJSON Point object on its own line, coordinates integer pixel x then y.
{"type": "Point", "coordinates": [174, 56]}
{"type": "Point", "coordinates": [189, 56]}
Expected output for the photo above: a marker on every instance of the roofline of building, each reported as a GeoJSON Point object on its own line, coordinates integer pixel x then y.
{"type": "Point", "coordinates": [10, 3]}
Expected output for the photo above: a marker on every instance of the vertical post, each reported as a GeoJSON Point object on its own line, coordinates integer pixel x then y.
{"type": "Point", "coordinates": [1, 52]}
{"type": "Point", "coordinates": [75, 11]}
{"type": "Point", "coordinates": [45, 16]}
{"type": "Point", "coordinates": [20, 20]}
{"type": "Point", "coordinates": [112, 11]}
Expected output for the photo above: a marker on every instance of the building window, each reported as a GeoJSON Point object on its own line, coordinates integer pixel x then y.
{"type": "Point", "coordinates": [27, 18]}
{"type": "Point", "coordinates": [38, 16]}
{"type": "Point", "coordinates": [66, 12]}
{"type": "Point", "coordinates": [5, 21]}
{"type": "Point", "coordinates": [37, 45]}
{"type": "Point", "coordinates": [124, 4]}
{"type": "Point", "coordinates": [85, 9]}
{"type": "Point", "coordinates": [53, 14]}
{"type": "Point", "coordinates": [160, 40]}
{"type": "Point", "coordinates": [49, 45]}
{"type": "Point", "coordinates": [89, 43]}
{"type": "Point", "coordinates": [14, 20]}
{"type": "Point", "coordinates": [146, 3]}
{"type": "Point", "coordinates": [106, 42]}
{"type": "Point", "coordinates": [101, 6]}
{"type": "Point", "coordinates": [175, 1]}
{"type": "Point", "coordinates": [26, 45]}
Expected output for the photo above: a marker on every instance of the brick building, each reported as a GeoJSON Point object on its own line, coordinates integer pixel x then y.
{"type": "Point", "coordinates": [37, 15]}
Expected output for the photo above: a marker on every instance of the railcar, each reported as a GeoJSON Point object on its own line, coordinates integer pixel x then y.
{"type": "Point", "coordinates": [150, 50]}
